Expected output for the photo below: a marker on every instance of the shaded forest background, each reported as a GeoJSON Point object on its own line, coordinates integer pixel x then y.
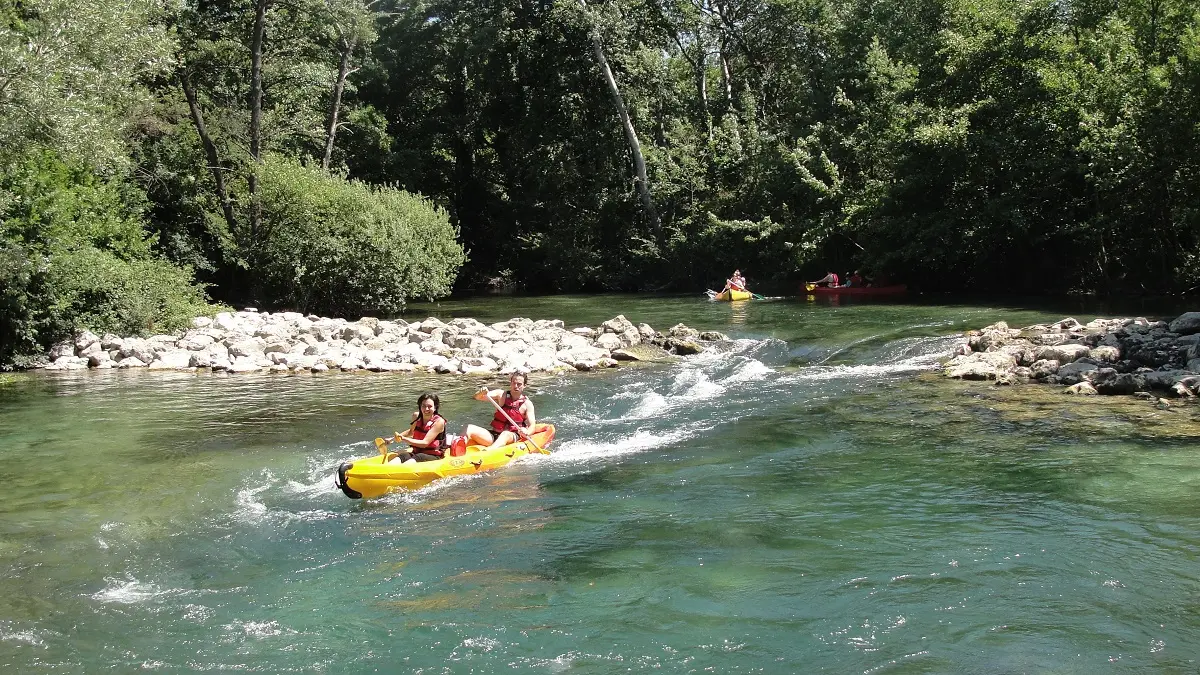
{"type": "Point", "coordinates": [345, 156]}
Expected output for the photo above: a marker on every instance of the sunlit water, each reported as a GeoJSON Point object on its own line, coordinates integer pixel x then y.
{"type": "Point", "coordinates": [811, 497]}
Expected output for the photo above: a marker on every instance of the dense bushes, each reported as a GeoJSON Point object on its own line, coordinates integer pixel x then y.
{"type": "Point", "coordinates": [74, 254]}
{"type": "Point", "coordinates": [342, 247]}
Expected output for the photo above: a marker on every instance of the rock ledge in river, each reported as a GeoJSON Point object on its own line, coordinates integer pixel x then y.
{"type": "Point", "coordinates": [1104, 356]}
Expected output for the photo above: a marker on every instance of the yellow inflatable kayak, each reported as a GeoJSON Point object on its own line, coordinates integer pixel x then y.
{"type": "Point", "coordinates": [729, 294]}
{"type": "Point", "coordinates": [372, 477]}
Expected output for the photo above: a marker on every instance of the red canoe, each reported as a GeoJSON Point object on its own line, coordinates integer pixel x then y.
{"type": "Point", "coordinates": [898, 289]}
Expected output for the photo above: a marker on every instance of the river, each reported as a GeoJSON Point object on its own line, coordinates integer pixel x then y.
{"type": "Point", "coordinates": [813, 498]}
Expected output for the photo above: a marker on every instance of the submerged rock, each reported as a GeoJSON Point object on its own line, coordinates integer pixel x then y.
{"type": "Point", "coordinates": [642, 352]}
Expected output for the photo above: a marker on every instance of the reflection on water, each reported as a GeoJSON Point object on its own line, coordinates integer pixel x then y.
{"type": "Point", "coordinates": [809, 496]}
{"type": "Point", "coordinates": [737, 312]}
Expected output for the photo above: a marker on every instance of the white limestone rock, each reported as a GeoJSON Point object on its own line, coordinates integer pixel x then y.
{"type": "Point", "coordinates": [173, 359]}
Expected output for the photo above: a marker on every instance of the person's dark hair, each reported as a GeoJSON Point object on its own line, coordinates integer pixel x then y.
{"type": "Point", "coordinates": [437, 402]}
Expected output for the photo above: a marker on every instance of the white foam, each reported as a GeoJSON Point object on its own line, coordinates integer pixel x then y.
{"type": "Point", "coordinates": [857, 372]}
{"type": "Point", "coordinates": [749, 371]}
{"type": "Point", "coordinates": [576, 451]}
{"type": "Point", "coordinates": [256, 629]}
{"type": "Point", "coordinates": [653, 403]}
{"type": "Point", "coordinates": [198, 613]}
{"type": "Point", "coordinates": [127, 592]}
{"type": "Point", "coordinates": [483, 644]}
{"type": "Point", "coordinates": [250, 509]}
{"type": "Point", "coordinates": [10, 633]}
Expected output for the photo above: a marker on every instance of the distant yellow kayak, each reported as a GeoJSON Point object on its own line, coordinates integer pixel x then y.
{"type": "Point", "coordinates": [729, 294]}
{"type": "Point", "coordinates": [372, 477]}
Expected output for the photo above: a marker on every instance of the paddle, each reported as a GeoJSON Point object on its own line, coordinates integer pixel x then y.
{"type": "Point", "coordinates": [810, 287]}
{"type": "Point", "coordinates": [510, 421]}
{"type": "Point", "coordinates": [382, 445]}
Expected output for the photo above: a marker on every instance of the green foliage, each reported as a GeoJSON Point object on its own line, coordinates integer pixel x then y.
{"type": "Point", "coordinates": [19, 296]}
{"type": "Point", "coordinates": [1003, 144]}
{"type": "Point", "coordinates": [52, 205]}
{"type": "Point", "coordinates": [74, 254]}
{"type": "Point", "coordinates": [95, 289]}
{"type": "Point", "coordinates": [68, 78]}
{"type": "Point", "coordinates": [346, 248]}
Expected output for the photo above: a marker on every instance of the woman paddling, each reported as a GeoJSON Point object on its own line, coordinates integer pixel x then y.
{"type": "Point", "coordinates": [737, 282]}
{"type": "Point", "coordinates": [426, 436]}
{"type": "Point", "coordinates": [513, 403]}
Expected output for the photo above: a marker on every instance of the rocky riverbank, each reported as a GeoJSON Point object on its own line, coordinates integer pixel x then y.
{"type": "Point", "coordinates": [252, 341]}
{"type": "Point", "coordinates": [1104, 356]}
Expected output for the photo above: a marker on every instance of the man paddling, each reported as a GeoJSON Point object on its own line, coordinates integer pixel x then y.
{"type": "Point", "coordinates": [504, 429]}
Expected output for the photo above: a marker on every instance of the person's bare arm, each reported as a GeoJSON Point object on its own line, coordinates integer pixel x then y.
{"type": "Point", "coordinates": [530, 416]}
{"type": "Point", "coordinates": [406, 435]}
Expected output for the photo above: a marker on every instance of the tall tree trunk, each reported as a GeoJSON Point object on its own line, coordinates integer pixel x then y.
{"type": "Point", "coordinates": [702, 72]}
{"type": "Point", "coordinates": [702, 90]}
{"type": "Point", "coordinates": [256, 96]}
{"type": "Point", "coordinates": [726, 77]}
{"type": "Point", "coordinates": [635, 147]}
{"type": "Point", "coordinates": [210, 151]}
{"type": "Point", "coordinates": [339, 86]}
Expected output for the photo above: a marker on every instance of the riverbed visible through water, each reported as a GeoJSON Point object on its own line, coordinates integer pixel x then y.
{"type": "Point", "coordinates": [811, 497]}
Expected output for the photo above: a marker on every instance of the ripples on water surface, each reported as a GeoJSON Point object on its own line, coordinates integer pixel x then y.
{"type": "Point", "coordinates": [809, 498]}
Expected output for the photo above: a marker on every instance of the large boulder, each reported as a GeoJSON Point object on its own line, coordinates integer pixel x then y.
{"type": "Point", "coordinates": [618, 324]}
{"type": "Point", "coordinates": [683, 346]}
{"type": "Point", "coordinates": [131, 362]}
{"type": "Point", "coordinates": [1109, 382]}
{"type": "Point", "coordinates": [61, 349]}
{"type": "Point", "coordinates": [1156, 353]}
{"type": "Point", "coordinates": [1165, 379]}
{"type": "Point", "coordinates": [679, 330]}
{"type": "Point", "coordinates": [980, 366]}
{"type": "Point", "coordinates": [1084, 388]}
{"type": "Point", "coordinates": [1078, 371]}
{"type": "Point", "coordinates": [477, 366]}
{"type": "Point", "coordinates": [174, 359]}
{"type": "Point", "coordinates": [1063, 353]}
{"type": "Point", "coordinates": [357, 331]}
{"type": "Point", "coordinates": [85, 339]}
{"type": "Point", "coordinates": [609, 341]}
{"type": "Point", "coordinates": [1043, 368]}
{"type": "Point", "coordinates": [100, 359]}
{"type": "Point", "coordinates": [246, 347]}
{"type": "Point", "coordinates": [642, 352]}
{"type": "Point", "coordinates": [139, 349]}
{"type": "Point", "coordinates": [1186, 324]}
{"type": "Point", "coordinates": [1051, 339]}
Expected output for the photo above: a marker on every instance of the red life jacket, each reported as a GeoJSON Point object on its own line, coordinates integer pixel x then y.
{"type": "Point", "coordinates": [833, 283]}
{"type": "Point", "coordinates": [421, 429]}
{"type": "Point", "coordinates": [513, 408]}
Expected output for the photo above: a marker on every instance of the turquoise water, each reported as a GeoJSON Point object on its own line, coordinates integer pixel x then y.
{"type": "Point", "coordinates": [811, 499]}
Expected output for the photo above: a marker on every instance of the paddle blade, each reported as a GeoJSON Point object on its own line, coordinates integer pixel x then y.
{"type": "Point", "coordinates": [382, 445]}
